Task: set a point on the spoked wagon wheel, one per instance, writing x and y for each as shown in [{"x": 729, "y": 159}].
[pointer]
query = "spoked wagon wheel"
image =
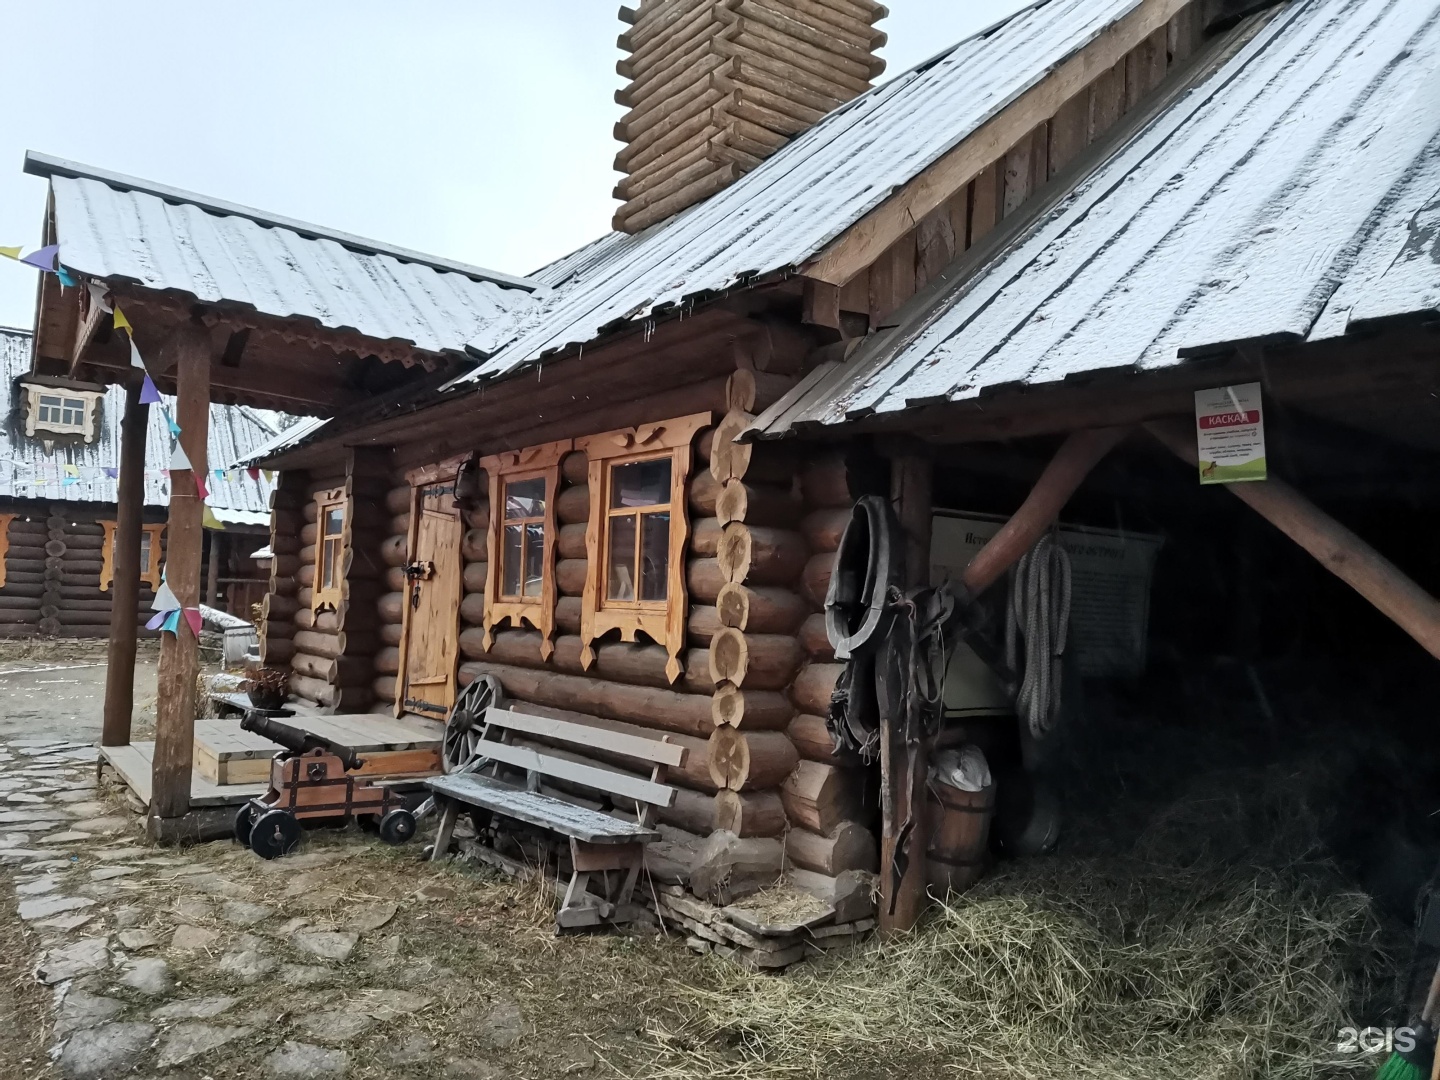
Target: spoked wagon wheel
[{"x": 467, "y": 721}]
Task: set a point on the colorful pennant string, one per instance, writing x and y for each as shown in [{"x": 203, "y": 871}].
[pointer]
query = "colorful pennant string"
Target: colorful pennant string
[
  {"x": 11, "y": 252},
  {"x": 44, "y": 259},
  {"x": 210, "y": 521},
  {"x": 149, "y": 392},
  {"x": 67, "y": 279},
  {"x": 192, "y": 616}
]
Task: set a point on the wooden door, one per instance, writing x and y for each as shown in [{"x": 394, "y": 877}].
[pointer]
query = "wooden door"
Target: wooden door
[{"x": 430, "y": 636}]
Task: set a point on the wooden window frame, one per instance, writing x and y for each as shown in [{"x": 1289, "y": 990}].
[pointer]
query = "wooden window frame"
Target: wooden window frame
[
  {"x": 663, "y": 622},
  {"x": 5, "y": 520},
  {"x": 531, "y": 463},
  {"x": 330, "y": 598},
  {"x": 148, "y": 574},
  {"x": 86, "y": 428}
]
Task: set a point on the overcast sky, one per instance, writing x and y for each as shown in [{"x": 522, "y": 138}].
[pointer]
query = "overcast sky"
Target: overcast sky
[{"x": 472, "y": 129}]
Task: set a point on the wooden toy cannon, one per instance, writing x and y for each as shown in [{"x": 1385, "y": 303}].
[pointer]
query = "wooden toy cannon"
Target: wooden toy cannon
[{"x": 314, "y": 778}]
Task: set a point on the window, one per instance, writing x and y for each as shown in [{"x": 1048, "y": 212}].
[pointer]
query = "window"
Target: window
[
  {"x": 329, "y": 588},
  {"x": 520, "y": 578},
  {"x": 61, "y": 410},
  {"x": 637, "y": 535},
  {"x": 152, "y": 554}
]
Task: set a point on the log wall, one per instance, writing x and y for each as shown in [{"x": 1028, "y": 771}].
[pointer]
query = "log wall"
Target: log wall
[{"x": 52, "y": 571}]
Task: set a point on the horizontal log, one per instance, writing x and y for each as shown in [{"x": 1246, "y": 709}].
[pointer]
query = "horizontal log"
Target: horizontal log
[
  {"x": 473, "y": 576},
  {"x": 305, "y": 575},
  {"x": 757, "y": 504},
  {"x": 823, "y": 528},
  {"x": 395, "y": 579},
  {"x": 387, "y": 661},
  {"x": 815, "y": 578},
  {"x": 400, "y": 524},
  {"x": 478, "y": 516},
  {"x": 275, "y": 606},
  {"x": 760, "y": 610},
  {"x": 475, "y": 545},
  {"x": 693, "y": 811},
  {"x": 309, "y": 533},
  {"x": 320, "y": 643},
  {"x": 667, "y": 710},
  {"x": 825, "y": 483},
  {"x": 384, "y": 688},
  {"x": 819, "y": 797},
  {"x": 754, "y": 661},
  {"x": 314, "y": 667},
  {"x": 704, "y": 579},
  {"x": 393, "y": 551},
  {"x": 750, "y": 710},
  {"x": 750, "y": 761},
  {"x": 75, "y": 542},
  {"x": 390, "y": 633},
  {"x": 19, "y": 589},
  {"x": 703, "y": 494},
  {"x": 756, "y": 555},
  {"x": 812, "y": 739},
  {"x": 305, "y": 555},
  {"x": 391, "y": 608},
  {"x": 705, "y": 534},
  {"x": 397, "y": 499},
  {"x": 572, "y": 505},
  {"x": 349, "y": 699},
  {"x": 17, "y": 613},
  {"x": 570, "y": 576},
  {"x": 849, "y": 846},
  {"x": 756, "y": 813},
  {"x": 815, "y": 639},
  {"x": 814, "y": 687},
  {"x": 642, "y": 665},
  {"x": 570, "y": 542},
  {"x": 472, "y": 609},
  {"x": 275, "y": 650},
  {"x": 575, "y": 467},
  {"x": 345, "y": 671},
  {"x": 288, "y": 565}
]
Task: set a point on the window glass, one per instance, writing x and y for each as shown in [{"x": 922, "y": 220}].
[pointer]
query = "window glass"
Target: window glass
[
  {"x": 330, "y": 559},
  {"x": 525, "y": 499},
  {"x": 622, "y": 558},
  {"x": 145, "y": 552},
  {"x": 640, "y": 483},
  {"x": 534, "y": 557},
  {"x": 334, "y": 521},
  {"x": 510, "y": 560},
  {"x": 654, "y": 556},
  {"x": 74, "y": 412}
]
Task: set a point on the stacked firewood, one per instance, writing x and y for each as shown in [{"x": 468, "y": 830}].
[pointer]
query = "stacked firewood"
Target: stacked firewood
[{"x": 717, "y": 86}]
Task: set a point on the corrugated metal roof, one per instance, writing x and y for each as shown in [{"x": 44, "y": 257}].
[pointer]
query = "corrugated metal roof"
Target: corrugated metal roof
[
  {"x": 121, "y": 228},
  {"x": 1287, "y": 197},
  {"x": 235, "y": 431},
  {"x": 787, "y": 210}
]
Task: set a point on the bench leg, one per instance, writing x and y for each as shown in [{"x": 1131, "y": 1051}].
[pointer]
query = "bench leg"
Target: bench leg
[{"x": 449, "y": 811}]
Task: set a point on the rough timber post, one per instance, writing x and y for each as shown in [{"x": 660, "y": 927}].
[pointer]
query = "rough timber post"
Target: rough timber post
[
  {"x": 125, "y": 587},
  {"x": 903, "y": 766},
  {"x": 179, "y": 652}
]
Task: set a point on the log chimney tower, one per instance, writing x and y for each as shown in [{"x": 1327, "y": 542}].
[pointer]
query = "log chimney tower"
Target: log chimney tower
[{"x": 717, "y": 86}]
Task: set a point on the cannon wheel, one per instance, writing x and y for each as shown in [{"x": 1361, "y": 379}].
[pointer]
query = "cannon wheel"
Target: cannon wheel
[
  {"x": 397, "y": 826},
  {"x": 275, "y": 833},
  {"x": 244, "y": 822},
  {"x": 466, "y": 721}
]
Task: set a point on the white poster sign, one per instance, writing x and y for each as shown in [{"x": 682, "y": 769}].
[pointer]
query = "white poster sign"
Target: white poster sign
[
  {"x": 1111, "y": 572},
  {"x": 1230, "y": 427}
]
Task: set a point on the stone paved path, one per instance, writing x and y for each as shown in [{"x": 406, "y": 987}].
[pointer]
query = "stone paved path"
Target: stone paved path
[{"x": 207, "y": 962}]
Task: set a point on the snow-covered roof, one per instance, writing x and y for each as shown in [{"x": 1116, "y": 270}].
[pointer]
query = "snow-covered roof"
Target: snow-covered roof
[
  {"x": 1291, "y": 196},
  {"x": 121, "y": 228},
  {"x": 28, "y": 472},
  {"x": 791, "y": 207}
]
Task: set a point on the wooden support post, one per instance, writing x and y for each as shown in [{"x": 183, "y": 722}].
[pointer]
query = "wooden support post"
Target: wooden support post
[
  {"x": 179, "y": 652},
  {"x": 125, "y": 584},
  {"x": 1336, "y": 548},
  {"x": 212, "y": 568},
  {"x": 1072, "y": 463},
  {"x": 903, "y": 764}
]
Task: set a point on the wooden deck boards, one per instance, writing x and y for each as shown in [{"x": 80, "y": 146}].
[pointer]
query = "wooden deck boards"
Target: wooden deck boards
[
  {"x": 226, "y": 754},
  {"x": 133, "y": 764}
]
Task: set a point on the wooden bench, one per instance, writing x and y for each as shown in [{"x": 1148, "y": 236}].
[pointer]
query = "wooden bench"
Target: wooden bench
[{"x": 599, "y": 843}]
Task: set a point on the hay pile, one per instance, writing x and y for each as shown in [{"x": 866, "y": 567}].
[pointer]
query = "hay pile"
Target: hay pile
[{"x": 1203, "y": 937}]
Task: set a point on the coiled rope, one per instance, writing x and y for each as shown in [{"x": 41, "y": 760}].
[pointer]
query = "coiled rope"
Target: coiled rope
[{"x": 1037, "y": 622}]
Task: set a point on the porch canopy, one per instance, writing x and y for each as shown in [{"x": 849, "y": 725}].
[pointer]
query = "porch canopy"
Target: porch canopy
[{"x": 234, "y": 306}]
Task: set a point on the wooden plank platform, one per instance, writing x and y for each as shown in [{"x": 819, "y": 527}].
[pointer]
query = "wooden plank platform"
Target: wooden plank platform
[
  {"x": 226, "y": 754},
  {"x": 133, "y": 764}
]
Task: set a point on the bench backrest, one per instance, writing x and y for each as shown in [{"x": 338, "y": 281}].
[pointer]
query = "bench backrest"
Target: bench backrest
[{"x": 660, "y": 754}]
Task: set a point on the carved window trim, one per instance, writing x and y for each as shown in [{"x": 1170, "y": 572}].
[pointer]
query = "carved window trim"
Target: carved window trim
[
  {"x": 87, "y": 426},
  {"x": 513, "y": 466},
  {"x": 329, "y": 597},
  {"x": 151, "y": 537},
  {"x": 662, "y": 622},
  {"x": 5, "y": 520}
]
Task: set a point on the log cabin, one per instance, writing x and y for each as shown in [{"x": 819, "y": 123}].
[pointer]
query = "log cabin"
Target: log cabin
[
  {"x": 59, "y": 463},
  {"x": 986, "y": 290}
]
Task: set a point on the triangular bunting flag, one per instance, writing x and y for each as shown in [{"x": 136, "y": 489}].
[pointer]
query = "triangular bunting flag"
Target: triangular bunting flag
[
  {"x": 192, "y": 616},
  {"x": 149, "y": 395},
  {"x": 135, "y": 360},
  {"x": 210, "y": 521},
  {"x": 121, "y": 322},
  {"x": 165, "y": 598},
  {"x": 200, "y": 488},
  {"x": 178, "y": 458},
  {"x": 44, "y": 259},
  {"x": 11, "y": 252},
  {"x": 172, "y": 621},
  {"x": 269, "y": 475},
  {"x": 157, "y": 621},
  {"x": 97, "y": 295},
  {"x": 66, "y": 278},
  {"x": 253, "y": 473},
  {"x": 174, "y": 427},
  {"x": 111, "y": 473}
]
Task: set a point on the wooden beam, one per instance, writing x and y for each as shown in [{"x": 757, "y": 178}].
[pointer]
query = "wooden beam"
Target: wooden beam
[
  {"x": 179, "y": 652},
  {"x": 212, "y": 568},
  {"x": 125, "y": 599},
  {"x": 1075, "y": 459},
  {"x": 1334, "y": 546},
  {"x": 868, "y": 239}
]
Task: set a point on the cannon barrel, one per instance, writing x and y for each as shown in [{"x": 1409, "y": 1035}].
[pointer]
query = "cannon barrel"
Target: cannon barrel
[{"x": 297, "y": 740}]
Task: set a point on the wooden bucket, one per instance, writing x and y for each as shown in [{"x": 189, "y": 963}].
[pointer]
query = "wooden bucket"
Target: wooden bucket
[{"x": 959, "y": 837}]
